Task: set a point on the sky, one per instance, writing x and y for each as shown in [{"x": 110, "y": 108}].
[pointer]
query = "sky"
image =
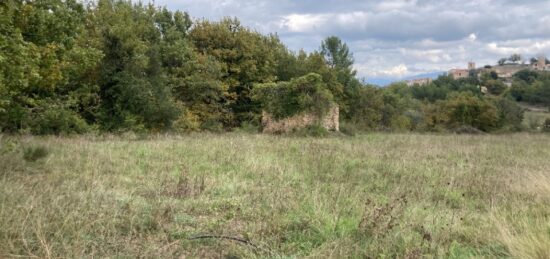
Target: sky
[{"x": 395, "y": 39}]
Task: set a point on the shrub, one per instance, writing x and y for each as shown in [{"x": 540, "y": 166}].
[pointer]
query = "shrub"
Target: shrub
[
  {"x": 187, "y": 122},
  {"x": 415, "y": 117},
  {"x": 348, "y": 129},
  {"x": 365, "y": 108},
  {"x": 35, "y": 153},
  {"x": 57, "y": 120},
  {"x": 495, "y": 87},
  {"x": 510, "y": 114},
  {"x": 467, "y": 109},
  {"x": 304, "y": 94},
  {"x": 400, "y": 123}
]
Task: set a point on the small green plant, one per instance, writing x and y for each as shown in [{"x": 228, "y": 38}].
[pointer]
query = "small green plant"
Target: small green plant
[{"x": 35, "y": 153}]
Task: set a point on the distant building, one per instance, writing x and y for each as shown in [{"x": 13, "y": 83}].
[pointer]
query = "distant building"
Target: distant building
[
  {"x": 541, "y": 65},
  {"x": 505, "y": 71},
  {"x": 419, "y": 81},
  {"x": 459, "y": 73}
]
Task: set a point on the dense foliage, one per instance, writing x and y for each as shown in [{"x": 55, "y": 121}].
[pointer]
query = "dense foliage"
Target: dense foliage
[
  {"x": 114, "y": 65},
  {"x": 531, "y": 87},
  {"x": 304, "y": 94}
]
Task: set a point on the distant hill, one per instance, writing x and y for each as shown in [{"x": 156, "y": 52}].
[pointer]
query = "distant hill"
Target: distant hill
[
  {"x": 432, "y": 75},
  {"x": 384, "y": 81}
]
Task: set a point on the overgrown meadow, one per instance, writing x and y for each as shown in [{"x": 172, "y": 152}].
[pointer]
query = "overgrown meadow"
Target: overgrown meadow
[{"x": 242, "y": 195}]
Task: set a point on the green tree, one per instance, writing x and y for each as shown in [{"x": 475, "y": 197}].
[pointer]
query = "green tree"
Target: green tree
[
  {"x": 47, "y": 65},
  {"x": 202, "y": 93},
  {"x": 336, "y": 53},
  {"x": 495, "y": 87},
  {"x": 246, "y": 57},
  {"x": 510, "y": 114},
  {"x": 515, "y": 58},
  {"x": 338, "y": 56},
  {"x": 466, "y": 109},
  {"x": 366, "y": 108},
  {"x": 135, "y": 90}
]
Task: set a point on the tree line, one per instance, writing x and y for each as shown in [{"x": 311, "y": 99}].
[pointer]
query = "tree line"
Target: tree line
[{"x": 114, "y": 65}]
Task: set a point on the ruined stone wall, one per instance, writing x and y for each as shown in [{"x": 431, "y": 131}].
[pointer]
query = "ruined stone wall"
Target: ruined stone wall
[{"x": 330, "y": 121}]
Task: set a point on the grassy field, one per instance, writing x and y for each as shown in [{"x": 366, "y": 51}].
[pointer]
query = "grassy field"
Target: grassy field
[{"x": 242, "y": 196}]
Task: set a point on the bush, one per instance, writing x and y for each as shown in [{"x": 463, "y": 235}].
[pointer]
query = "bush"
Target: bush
[
  {"x": 510, "y": 113},
  {"x": 400, "y": 123},
  {"x": 187, "y": 122},
  {"x": 465, "y": 109},
  {"x": 495, "y": 87},
  {"x": 304, "y": 94},
  {"x": 35, "y": 153},
  {"x": 57, "y": 120},
  {"x": 348, "y": 129},
  {"x": 415, "y": 117}
]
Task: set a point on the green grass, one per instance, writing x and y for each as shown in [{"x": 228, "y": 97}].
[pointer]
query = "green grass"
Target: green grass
[
  {"x": 534, "y": 120},
  {"x": 374, "y": 196}
]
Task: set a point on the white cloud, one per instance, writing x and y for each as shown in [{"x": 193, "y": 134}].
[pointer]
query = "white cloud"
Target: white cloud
[
  {"x": 395, "y": 4},
  {"x": 399, "y": 71},
  {"x": 303, "y": 22},
  {"x": 524, "y": 46}
]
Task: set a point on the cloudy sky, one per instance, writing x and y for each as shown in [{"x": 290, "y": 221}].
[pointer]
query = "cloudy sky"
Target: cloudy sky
[{"x": 397, "y": 38}]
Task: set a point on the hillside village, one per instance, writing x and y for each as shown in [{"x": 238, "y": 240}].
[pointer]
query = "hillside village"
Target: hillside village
[{"x": 505, "y": 70}]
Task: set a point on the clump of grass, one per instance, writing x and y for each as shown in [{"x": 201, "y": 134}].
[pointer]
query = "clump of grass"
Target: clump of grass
[
  {"x": 186, "y": 187},
  {"x": 525, "y": 237},
  {"x": 35, "y": 153},
  {"x": 379, "y": 219}
]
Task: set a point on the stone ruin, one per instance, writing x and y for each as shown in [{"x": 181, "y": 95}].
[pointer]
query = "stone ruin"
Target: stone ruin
[{"x": 272, "y": 126}]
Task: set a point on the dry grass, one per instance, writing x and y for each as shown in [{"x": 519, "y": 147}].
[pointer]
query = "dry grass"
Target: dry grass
[
  {"x": 525, "y": 236},
  {"x": 373, "y": 196}
]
